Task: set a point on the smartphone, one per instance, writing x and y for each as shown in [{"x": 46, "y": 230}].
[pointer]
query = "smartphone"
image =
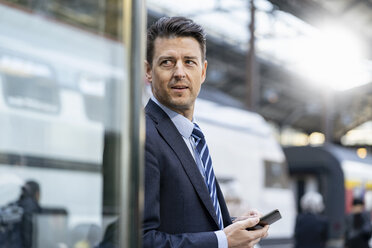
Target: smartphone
[{"x": 267, "y": 219}]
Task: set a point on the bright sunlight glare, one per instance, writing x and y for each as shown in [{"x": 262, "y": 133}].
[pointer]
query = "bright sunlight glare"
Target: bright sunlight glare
[{"x": 334, "y": 59}]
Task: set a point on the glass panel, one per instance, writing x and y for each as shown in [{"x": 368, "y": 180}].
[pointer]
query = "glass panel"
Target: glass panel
[{"x": 61, "y": 88}]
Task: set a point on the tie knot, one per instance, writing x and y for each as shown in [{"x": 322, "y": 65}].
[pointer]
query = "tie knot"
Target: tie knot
[{"x": 196, "y": 132}]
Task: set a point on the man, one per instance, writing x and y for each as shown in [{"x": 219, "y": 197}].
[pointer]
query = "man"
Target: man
[
  {"x": 358, "y": 228},
  {"x": 184, "y": 206},
  {"x": 311, "y": 229}
]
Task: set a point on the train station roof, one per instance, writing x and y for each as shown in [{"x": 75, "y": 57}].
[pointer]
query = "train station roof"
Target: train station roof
[{"x": 296, "y": 79}]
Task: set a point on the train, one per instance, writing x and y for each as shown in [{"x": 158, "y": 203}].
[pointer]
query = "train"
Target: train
[{"x": 338, "y": 174}]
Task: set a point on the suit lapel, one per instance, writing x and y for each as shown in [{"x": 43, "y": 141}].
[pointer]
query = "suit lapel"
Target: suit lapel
[{"x": 174, "y": 139}]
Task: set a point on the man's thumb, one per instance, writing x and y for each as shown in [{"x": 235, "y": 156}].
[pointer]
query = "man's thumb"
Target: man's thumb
[{"x": 249, "y": 222}]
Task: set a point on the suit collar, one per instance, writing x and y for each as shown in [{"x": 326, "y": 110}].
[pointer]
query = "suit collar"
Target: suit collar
[
  {"x": 171, "y": 135},
  {"x": 183, "y": 125}
]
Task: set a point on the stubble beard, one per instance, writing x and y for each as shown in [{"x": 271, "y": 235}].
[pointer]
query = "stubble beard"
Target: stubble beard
[{"x": 181, "y": 104}]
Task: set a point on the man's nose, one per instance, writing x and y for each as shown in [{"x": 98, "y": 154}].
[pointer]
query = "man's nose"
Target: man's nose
[{"x": 179, "y": 72}]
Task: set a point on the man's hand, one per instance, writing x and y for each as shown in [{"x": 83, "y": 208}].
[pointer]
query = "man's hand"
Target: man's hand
[
  {"x": 238, "y": 236},
  {"x": 250, "y": 214}
]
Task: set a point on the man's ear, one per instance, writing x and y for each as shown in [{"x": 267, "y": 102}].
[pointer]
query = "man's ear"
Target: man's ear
[
  {"x": 148, "y": 71},
  {"x": 204, "y": 71}
]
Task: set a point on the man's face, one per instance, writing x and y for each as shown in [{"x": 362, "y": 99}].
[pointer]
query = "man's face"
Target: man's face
[{"x": 177, "y": 73}]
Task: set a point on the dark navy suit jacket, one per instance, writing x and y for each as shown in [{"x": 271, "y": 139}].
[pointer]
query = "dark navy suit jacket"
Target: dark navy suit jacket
[{"x": 178, "y": 209}]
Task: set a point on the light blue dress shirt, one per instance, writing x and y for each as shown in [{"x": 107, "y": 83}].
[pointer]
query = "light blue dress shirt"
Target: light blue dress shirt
[{"x": 185, "y": 128}]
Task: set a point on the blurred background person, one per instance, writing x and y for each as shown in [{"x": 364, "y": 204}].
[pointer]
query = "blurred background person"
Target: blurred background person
[
  {"x": 17, "y": 231},
  {"x": 29, "y": 202},
  {"x": 358, "y": 229},
  {"x": 311, "y": 230},
  {"x": 110, "y": 238}
]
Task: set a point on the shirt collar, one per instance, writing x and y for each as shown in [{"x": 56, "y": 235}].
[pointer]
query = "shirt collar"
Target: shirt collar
[{"x": 183, "y": 125}]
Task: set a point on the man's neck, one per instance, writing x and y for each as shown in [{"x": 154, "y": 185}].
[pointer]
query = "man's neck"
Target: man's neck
[{"x": 187, "y": 113}]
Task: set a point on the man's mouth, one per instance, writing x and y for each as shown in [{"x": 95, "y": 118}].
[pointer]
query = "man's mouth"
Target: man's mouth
[{"x": 179, "y": 87}]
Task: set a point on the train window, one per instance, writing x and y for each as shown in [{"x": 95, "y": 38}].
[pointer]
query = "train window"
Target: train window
[
  {"x": 94, "y": 107},
  {"x": 34, "y": 93},
  {"x": 276, "y": 175},
  {"x": 93, "y": 89},
  {"x": 28, "y": 85}
]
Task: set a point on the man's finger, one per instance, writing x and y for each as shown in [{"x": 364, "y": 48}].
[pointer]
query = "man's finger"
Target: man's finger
[
  {"x": 243, "y": 217},
  {"x": 260, "y": 233},
  {"x": 254, "y": 212},
  {"x": 249, "y": 222}
]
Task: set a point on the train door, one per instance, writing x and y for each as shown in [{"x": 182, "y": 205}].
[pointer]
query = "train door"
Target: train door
[
  {"x": 70, "y": 122},
  {"x": 319, "y": 169}
]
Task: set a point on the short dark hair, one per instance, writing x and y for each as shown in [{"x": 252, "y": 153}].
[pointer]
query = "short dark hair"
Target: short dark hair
[
  {"x": 30, "y": 189},
  {"x": 170, "y": 27}
]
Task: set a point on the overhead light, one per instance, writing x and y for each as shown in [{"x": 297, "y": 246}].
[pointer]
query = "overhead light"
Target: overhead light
[
  {"x": 316, "y": 138},
  {"x": 362, "y": 152},
  {"x": 334, "y": 59}
]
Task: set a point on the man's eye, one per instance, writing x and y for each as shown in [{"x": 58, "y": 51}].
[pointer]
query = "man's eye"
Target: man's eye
[
  {"x": 166, "y": 62},
  {"x": 190, "y": 62}
]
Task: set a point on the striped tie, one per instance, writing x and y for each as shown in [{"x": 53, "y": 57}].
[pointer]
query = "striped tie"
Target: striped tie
[{"x": 210, "y": 179}]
